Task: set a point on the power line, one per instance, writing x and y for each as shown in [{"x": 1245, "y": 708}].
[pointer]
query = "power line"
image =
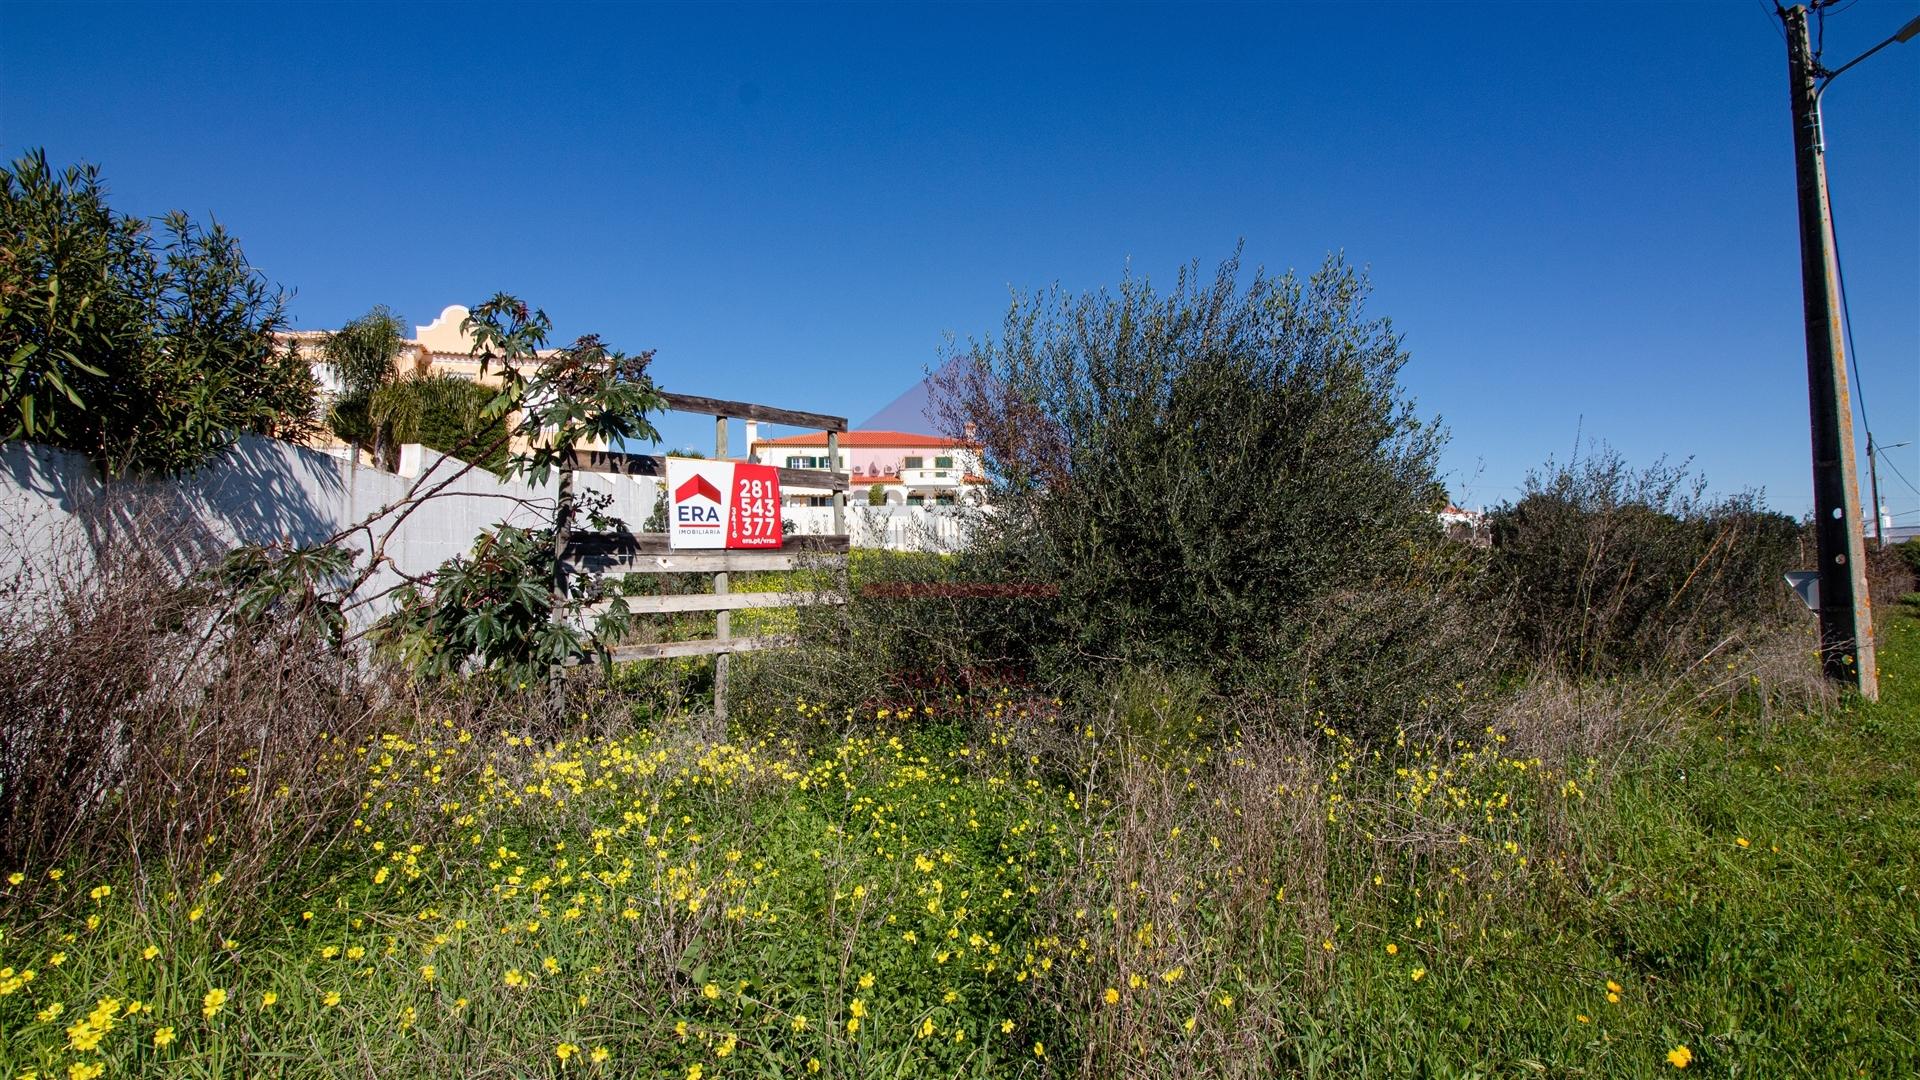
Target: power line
[
  {"x": 1772, "y": 17},
  {"x": 1903, "y": 478}
]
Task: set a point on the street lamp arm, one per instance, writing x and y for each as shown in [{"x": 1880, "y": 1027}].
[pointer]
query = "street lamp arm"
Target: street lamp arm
[{"x": 1903, "y": 35}]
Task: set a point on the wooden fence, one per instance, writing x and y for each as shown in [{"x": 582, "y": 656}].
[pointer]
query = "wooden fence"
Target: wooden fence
[{"x": 650, "y": 553}]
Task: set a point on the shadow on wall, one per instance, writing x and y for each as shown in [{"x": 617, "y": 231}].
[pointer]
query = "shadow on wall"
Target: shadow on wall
[{"x": 58, "y": 516}]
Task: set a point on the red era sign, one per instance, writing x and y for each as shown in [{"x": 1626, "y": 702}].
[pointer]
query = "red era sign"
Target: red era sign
[{"x": 755, "y": 518}]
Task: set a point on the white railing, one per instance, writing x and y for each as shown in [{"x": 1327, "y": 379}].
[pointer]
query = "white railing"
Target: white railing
[
  {"x": 897, "y": 528},
  {"x": 931, "y": 477}
]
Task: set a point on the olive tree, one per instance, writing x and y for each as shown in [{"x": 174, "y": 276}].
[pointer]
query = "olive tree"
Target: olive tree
[{"x": 1224, "y": 477}]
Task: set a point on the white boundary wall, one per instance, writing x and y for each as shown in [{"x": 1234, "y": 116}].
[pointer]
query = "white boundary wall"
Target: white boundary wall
[{"x": 57, "y": 516}]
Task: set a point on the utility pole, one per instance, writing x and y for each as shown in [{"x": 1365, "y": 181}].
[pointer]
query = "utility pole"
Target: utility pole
[
  {"x": 1846, "y": 615},
  {"x": 1873, "y": 482}
]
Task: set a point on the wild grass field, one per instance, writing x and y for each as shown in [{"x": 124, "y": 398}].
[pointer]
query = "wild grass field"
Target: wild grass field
[{"x": 1720, "y": 875}]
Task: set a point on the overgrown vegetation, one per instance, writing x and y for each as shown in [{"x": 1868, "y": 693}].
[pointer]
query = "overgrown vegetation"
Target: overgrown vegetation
[
  {"x": 1604, "y": 568},
  {"x": 514, "y": 608},
  {"x": 148, "y": 353},
  {"x": 1383, "y": 803},
  {"x": 1224, "y": 478},
  {"x": 986, "y": 884}
]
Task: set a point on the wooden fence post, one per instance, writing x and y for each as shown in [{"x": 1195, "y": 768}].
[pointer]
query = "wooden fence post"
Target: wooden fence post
[{"x": 723, "y": 620}]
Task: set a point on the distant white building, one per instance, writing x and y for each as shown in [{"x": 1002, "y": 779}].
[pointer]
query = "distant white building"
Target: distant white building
[{"x": 909, "y": 469}]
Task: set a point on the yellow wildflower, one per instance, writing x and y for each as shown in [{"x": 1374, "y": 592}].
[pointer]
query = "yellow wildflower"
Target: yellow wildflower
[
  {"x": 1680, "y": 1057},
  {"x": 213, "y": 1002},
  {"x": 163, "y": 1038}
]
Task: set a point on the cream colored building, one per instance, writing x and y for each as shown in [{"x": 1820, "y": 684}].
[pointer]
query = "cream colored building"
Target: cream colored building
[{"x": 438, "y": 348}]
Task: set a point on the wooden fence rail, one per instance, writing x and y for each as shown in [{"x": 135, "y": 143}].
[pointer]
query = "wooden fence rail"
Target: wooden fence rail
[{"x": 618, "y": 554}]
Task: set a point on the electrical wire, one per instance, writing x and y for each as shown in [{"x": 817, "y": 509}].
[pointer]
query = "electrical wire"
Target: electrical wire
[
  {"x": 1859, "y": 394},
  {"x": 1903, "y": 478},
  {"x": 1846, "y": 317},
  {"x": 1773, "y": 18}
]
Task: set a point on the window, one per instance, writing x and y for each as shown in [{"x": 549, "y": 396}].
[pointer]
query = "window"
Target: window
[
  {"x": 798, "y": 462},
  {"x": 916, "y": 500},
  {"x": 943, "y": 463},
  {"x": 914, "y": 463},
  {"x": 943, "y": 500}
]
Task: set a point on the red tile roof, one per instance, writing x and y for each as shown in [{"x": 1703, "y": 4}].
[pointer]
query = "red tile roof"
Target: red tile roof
[{"x": 872, "y": 440}]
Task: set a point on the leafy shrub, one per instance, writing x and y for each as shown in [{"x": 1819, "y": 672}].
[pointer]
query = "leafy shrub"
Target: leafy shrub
[
  {"x": 493, "y": 608},
  {"x": 164, "y": 725},
  {"x": 1605, "y": 568},
  {"x": 1211, "y": 476},
  {"x": 147, "y": 354},
  {"x": 1890, "y": 576},
  {"x": 1909, "y": 553}
]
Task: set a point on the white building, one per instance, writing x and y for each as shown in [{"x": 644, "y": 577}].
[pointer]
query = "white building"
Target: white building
[{"x": 907, "y": 469}]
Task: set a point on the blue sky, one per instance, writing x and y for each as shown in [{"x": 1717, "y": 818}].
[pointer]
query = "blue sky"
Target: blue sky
[{"x": 1581, "y": 217}]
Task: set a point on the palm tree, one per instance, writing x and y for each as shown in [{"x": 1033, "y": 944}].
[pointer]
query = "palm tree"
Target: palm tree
[
  {"x": 442, "y": 411},
  {"x": 362, "y": 355}
]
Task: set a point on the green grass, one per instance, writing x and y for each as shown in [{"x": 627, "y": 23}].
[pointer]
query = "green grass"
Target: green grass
[
  {"x": 1796, "y": 953},
  {"x": 1250, "y": 908}
]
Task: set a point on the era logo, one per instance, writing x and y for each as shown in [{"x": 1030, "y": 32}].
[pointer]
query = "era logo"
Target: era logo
[{"x": 697, "y": 503}]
